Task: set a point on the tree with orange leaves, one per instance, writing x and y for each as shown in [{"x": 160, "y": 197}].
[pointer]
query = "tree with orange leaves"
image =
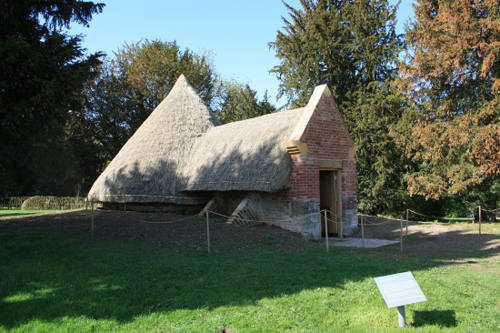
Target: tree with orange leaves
[{"x": 452, "y": 78}]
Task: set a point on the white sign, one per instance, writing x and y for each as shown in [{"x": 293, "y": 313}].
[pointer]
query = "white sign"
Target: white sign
[{"x": 400, "y": 289}]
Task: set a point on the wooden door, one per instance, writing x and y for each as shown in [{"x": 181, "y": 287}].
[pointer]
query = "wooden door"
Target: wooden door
[{"x": 330, "y": 199}]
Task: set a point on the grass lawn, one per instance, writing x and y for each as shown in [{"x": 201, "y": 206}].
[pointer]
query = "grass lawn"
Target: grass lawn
[
  {"x": 56, "y": 283},
  {"x": 19, "y": 212}
]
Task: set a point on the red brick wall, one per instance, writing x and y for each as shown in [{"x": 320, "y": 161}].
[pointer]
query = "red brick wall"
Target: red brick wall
[{"x": 327, "y": 138}]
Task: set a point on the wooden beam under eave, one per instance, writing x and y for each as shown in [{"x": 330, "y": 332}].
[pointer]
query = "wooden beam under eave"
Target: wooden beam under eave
[
  {"x": 330, "y": 165},
  {"x": 295, "y": 147}
]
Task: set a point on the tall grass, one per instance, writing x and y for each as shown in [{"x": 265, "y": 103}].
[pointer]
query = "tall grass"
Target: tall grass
[{"x": 51, "y": 283}]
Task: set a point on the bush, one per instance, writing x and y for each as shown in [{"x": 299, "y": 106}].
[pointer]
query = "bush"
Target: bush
[
  {"x": 51, "y": 202},
  {"x": 13, "y": 202}
]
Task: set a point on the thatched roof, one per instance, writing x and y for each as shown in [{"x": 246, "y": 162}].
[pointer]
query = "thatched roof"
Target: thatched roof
[
  {"x": 149, "y": 166},
  {"x": 181, "y": 152},
  {"x": 247, "y": 155}
]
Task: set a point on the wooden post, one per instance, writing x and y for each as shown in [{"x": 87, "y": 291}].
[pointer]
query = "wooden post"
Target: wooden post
[
  {"x": 208, "y": 231},
  {"x": 341, "y": 229},
  {"x": 92, "y": 217},
  {"x": 480, "y": 217},
  {"x": 407, "y": 219},
  {"x": 326, "y": 232},
  {"x": 362, "y": 231},
  {"x": 339, "y": 204},
  {"x": 401, "y": 235}
]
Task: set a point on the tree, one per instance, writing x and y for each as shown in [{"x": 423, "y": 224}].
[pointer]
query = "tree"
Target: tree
[
  {"x": 100, "y": 128},
  {"x": 41, "y": 74},
  {"x": 335, "y": 42},
  {"x": 376, "y": 114},
  {"x": 351, "y": 46},
  {"x": 237, "y": 101},
  {"x": 451, "y": 77},
  {"x": 125, "y": 92},
  {"x": 148, "y": 70}
]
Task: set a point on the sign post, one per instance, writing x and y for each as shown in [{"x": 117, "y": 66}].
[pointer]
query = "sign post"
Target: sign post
[
  {"x": 399, "y": 290},
  {"x": 401, "y": 316}
]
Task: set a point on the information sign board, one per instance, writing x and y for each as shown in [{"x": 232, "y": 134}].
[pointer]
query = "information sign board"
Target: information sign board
[{"x": 399, "y": 289}]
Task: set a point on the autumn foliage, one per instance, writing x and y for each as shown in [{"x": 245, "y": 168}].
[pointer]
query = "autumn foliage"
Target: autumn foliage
[{"x": 452, "y": 78}]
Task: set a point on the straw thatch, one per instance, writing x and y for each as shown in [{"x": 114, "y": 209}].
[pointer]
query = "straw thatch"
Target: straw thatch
[
  {"x": 248, "y": 155},
  {"x": 149, "y": 166}
]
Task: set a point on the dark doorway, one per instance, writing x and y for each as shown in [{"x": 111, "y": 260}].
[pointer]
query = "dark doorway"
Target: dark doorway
[{"x": 331, "y": 200}]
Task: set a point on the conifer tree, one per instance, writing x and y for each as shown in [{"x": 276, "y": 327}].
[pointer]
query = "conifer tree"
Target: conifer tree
[
  {"x": 42, "y": 72},
  {"x": 452, "y": 78},
  {"x": 352, "y": 46},
  {"x": 237, "y": 101}
]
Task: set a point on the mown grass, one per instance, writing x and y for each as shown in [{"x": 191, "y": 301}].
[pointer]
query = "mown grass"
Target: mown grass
[{"x": 55, "y": 283}]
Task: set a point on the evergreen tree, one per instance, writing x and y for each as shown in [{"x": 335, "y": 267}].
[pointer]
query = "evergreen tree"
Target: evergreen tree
[
  {"x": 41, "y": 74},
  {"x": 351, "y": 46},
  {"x": 452, "y": 78},
  {"x": 336, "y": 42},
  {"x": 238, "y": 101}
]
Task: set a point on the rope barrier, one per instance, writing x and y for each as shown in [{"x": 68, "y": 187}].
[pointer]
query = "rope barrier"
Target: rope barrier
[
  {"x": 168, "y": 222},
  {"x": 377, "y": 224},
  {"x": 496, "y": 210},
  {"x": 385, "y": 222},
  {"x": 428, "y": 216},
  {"x": 236, "y": 218},
  {"x": 267, "y": 221}
]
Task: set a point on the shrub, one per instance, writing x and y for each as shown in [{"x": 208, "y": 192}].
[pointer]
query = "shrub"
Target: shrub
[
  {"x": 51, "y": 202},
  {"x": 15, "y": 202}
]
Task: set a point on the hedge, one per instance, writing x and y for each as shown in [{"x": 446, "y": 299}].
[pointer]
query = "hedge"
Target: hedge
[{"x": 51, "y": 202}]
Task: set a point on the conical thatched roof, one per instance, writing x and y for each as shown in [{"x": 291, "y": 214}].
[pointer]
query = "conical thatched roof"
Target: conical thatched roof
[
  {"x": 247, "y": 155},
  {"x": 149, "y": 166}
]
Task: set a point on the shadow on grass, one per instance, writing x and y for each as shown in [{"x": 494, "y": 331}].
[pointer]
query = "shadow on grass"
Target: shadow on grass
[
  {"x": 444, "y": 318},
  {"x": 47, "y": 277}
]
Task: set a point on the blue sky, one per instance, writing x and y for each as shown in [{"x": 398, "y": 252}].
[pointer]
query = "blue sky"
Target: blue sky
[{"x": 236, "y": 32}]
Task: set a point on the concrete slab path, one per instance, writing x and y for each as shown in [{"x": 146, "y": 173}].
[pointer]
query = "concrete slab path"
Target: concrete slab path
[{"x": 357, "y": 242}]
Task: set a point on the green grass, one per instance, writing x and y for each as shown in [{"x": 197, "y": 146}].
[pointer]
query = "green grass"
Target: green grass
[
  {"x": 55, "y": 283},
  {"x": 19, "y": 212}
]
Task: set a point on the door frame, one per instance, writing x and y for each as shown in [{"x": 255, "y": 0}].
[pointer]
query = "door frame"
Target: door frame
[{"x": 335, "y": 167}]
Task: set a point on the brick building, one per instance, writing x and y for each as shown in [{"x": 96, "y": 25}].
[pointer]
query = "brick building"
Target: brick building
[{"x": 280, "y": 168}]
